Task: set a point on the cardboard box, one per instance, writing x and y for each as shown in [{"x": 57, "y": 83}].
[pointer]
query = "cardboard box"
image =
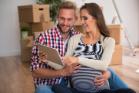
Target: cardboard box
[
  {"x": 34, "y": 13},
  {"x": 117, "y": 55},
  {"x": 26, "y": 54},
  {"x": 42, "y": 26},
  {"x": 115, "y": 32},
  {"x": 26, "y": 48}
]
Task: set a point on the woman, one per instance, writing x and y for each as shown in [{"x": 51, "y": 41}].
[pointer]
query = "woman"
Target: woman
[{"x": 93, "y": 50}]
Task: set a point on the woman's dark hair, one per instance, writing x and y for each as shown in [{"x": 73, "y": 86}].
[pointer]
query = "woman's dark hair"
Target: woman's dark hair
[{"x": 95, "y": 11}]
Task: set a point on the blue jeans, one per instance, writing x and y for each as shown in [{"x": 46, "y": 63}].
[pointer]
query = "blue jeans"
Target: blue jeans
[
  {"x": 115, "y": 81},
  {"x": 43, "y": 89},
  {"x": 47, "y": 88},
  {"x": 65, "y": 89}
]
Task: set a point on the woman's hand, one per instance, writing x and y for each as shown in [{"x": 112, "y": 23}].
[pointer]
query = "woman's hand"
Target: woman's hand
[
  {"x": 68, "y": 60},
  {"x": 100, "y": 81},
  {"x": 69, "y": 69}
]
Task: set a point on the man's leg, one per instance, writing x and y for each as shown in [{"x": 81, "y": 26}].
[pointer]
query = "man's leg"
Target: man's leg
[
  {"x": 61, "y": 89},
  {"x": 43, "y": 89},
  {"x": 115, "y": 81}
]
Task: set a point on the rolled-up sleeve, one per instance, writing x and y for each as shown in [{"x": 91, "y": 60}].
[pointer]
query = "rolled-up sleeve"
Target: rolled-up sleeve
[{"x": 35, "y": 62}]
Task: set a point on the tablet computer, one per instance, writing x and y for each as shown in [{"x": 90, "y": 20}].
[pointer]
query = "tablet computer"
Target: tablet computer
[{"x": 53, "y": 57}]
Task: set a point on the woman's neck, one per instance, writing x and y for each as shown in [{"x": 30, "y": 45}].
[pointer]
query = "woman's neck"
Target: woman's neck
[{"x": 91, "y": 37}]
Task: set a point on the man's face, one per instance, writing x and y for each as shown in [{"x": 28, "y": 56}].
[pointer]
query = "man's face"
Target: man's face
[{"x": 66, "y": 19}]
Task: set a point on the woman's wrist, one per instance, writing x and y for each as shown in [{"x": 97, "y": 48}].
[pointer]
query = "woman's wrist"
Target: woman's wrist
[{"x": 106, "y": 75}]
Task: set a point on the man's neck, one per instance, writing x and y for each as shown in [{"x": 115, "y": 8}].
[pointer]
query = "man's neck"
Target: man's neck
[{"x": 65, "y": 36}]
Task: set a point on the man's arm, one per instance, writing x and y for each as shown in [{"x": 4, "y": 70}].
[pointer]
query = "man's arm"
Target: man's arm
[
  {"x": 37, "y": 64},
  {"x": 49, "y": 73}
]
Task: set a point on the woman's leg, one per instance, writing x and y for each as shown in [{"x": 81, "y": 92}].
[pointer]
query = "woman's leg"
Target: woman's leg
[
  {"x": 127, "y": 90},
  {"x": 115, "y": 81},
  {"x": 121, "y": 90}
]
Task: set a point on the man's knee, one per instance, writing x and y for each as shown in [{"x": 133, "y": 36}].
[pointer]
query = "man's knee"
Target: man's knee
[{"x": 43, "y": 89}]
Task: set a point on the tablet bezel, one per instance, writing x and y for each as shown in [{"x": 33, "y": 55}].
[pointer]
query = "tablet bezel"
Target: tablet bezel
[{"x": 52, "y": 54}]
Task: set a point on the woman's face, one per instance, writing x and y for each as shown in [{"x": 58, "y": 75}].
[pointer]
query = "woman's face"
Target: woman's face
[{"x": 88, "y": 21}]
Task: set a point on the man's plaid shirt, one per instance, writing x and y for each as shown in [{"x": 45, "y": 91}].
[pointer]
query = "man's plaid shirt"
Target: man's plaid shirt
[{"x": 51, "y": 38}]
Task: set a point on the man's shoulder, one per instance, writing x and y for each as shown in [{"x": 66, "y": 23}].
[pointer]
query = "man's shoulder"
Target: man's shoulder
[{"x": 50, "y": 31}]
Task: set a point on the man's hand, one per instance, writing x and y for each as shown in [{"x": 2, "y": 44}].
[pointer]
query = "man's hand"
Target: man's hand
[
  {"x": 42, "y": 57},
  {"x": 100, "y": 81}
]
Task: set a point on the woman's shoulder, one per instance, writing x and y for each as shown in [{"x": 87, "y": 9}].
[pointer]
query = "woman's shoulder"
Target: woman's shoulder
[
  {"x": 77, "y": 36},
  {"x": 109, "y": 39}
]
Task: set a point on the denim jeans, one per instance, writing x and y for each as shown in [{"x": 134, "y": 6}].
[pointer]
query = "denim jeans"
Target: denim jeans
[
  {"x": 115, "y": 81},
  {"x": 65, "y": 89},
  {"x": 43, "y": 89},
  {"x": 48, "y": 88},
  {"x": 116, "y": 86}
]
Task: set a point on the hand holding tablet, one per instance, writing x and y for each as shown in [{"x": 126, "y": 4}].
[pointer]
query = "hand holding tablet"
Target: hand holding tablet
[{"x": 53, "y": 57}]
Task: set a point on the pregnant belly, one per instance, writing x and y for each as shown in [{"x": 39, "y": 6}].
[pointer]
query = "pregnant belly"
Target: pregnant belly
[{"x": 83, "y": 79}]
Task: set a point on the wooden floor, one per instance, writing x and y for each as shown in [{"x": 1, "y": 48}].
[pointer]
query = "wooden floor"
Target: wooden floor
[
  {"x": 127, "y": 71},
  {"x": 15, "y": 77}
]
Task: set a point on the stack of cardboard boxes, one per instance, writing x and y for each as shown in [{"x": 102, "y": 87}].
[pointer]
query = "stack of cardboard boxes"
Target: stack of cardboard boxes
[
  {"x": 115, "y": 32},
  {"x": 37, "y": 18}
]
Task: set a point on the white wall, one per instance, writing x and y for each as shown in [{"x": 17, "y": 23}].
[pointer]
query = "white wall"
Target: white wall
[
  {"x": 130, "y": 14},
  {"x": 9, "y": 26}
]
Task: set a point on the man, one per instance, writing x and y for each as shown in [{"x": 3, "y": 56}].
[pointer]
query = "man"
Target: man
[{"x": 57, "y": 37}]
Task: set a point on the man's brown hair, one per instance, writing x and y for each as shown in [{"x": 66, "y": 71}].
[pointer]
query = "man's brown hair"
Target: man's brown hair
[{"x": 67, "y": 5}]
